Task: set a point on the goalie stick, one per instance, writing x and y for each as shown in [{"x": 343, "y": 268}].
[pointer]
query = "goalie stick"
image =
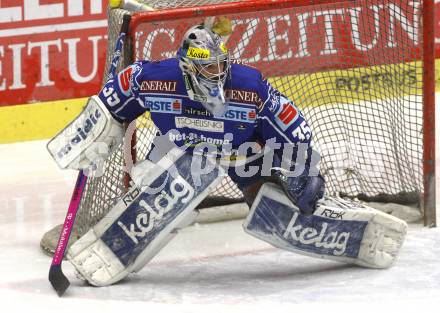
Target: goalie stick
[{"x": 57, "y": 278}]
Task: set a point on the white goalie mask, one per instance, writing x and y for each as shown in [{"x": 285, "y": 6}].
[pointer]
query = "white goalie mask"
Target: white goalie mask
[{"x": 205, "y": 63}]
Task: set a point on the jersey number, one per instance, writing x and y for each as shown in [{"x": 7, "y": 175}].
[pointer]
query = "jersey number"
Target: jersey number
[
  {"x": 302, "y": 132},
  {"x": 111, "y": 96}
]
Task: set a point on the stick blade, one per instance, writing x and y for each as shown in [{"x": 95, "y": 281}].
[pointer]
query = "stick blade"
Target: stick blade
[{"x": 58, "y": 280}]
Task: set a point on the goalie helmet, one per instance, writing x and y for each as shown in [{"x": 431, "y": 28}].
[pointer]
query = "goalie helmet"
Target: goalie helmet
[{"x": 205, "y": 64}]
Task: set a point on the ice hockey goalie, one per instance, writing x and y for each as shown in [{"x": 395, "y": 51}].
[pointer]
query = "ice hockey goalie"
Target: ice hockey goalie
[{"x": 217, "y": 116}]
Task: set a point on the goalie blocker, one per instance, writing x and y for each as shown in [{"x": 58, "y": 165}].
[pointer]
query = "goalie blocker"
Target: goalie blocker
[
  {"x": 339, "y": 230},
  {"x": 88, "y": 140},
  {"x": 145, "y": 219}
]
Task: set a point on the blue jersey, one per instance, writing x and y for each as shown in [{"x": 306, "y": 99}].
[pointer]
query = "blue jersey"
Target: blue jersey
[{"x": 256, "y": 112}]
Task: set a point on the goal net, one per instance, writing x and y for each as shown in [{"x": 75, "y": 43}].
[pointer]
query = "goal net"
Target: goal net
[{"x": 354, "y": 68}]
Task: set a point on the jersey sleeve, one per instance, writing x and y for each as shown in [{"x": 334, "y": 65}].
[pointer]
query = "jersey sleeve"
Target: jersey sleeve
[
  {"x": 120, "y": 94},
  {"x": 280, "y": 118}
]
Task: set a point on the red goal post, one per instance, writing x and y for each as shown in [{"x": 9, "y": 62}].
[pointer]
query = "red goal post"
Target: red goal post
[{"x": 429, "y": 159}]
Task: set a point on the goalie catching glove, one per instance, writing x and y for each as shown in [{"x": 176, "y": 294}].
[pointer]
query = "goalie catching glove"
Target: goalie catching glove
[{"x": 87, "y": 140}]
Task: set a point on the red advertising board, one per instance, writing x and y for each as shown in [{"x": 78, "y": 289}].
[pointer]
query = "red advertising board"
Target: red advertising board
[
  {"x": 51, "y": 50},
  {"x": 55, "y": 49},
  {"x": 305, "y": 39}
]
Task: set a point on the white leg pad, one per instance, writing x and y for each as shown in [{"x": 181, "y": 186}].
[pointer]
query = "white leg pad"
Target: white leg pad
[
  {"x": 142, "y": 223},
  {"x": 340, "y": 230},
  {"x": 96, "y": 262}
]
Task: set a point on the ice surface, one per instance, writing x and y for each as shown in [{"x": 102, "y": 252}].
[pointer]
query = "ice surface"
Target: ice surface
[{"x": 208, "y": 267}]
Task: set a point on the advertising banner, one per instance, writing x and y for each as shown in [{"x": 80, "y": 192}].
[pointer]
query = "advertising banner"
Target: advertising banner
[
  {"x": 51, "y": 50},
  {"x": 307, "y": 39}
]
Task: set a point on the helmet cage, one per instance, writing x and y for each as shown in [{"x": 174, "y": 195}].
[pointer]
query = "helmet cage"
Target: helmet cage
[{"x": 205, "y": 63}]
